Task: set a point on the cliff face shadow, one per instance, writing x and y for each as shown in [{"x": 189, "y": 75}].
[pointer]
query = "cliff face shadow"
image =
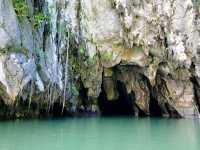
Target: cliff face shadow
[{"x": 123, "y": 106}]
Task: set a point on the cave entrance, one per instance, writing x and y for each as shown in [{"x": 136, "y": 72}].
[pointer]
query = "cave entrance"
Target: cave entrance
[{"x": 123, "y": 106}]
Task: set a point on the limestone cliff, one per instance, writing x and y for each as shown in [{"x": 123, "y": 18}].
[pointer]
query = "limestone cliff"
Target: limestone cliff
[{"x": 92, "y": 56}]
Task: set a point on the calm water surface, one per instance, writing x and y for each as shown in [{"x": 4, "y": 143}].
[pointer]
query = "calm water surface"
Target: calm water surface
[{"x": 101, "y": 134}]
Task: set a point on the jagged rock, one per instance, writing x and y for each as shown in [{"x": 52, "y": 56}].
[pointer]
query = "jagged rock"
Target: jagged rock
[
  {"x": 149, "y": 44},
  {"x": 135, "y": 83},
  {"x": 94, "y": 72},
  {"x": 176, "y": 94},
  {"x": 9, "y": 29},
  {"x": 15, "y": 72},
  {"x": 109, "y": 84}
]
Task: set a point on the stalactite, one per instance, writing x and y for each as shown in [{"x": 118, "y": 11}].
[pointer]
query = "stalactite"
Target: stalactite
[
  {"x": 30, "y": 96},
  {"x": 50, "y": 97},
  {"x": 66, "y": 70}
]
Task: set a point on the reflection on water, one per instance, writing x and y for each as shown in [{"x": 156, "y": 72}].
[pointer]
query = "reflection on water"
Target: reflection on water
[{"x": 101, "y": 134}]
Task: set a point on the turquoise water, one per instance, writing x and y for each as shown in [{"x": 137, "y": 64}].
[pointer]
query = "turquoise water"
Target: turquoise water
[{"x": 101, "y": 134}]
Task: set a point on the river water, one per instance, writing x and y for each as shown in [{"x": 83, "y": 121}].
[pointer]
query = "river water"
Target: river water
[{"x": 110, "y": 133}]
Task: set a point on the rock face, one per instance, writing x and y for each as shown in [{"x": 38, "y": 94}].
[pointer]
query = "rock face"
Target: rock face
[{"x": 82, "y": 48}]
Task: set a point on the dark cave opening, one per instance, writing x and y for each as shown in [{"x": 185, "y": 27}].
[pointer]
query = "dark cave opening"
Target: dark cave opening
[
  {"x": 123, "y": 106},
  {"x": 154, "y": 108},
  {"x": 196, "y": 88},
  {"x": 83, "y": 94},
  {"x": 56, "y": 111}
]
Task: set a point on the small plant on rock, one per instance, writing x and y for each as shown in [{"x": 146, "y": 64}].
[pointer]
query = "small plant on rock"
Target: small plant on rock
[
  {"x": 39, "y": 18},
  {"x": 21, "y": 8}
]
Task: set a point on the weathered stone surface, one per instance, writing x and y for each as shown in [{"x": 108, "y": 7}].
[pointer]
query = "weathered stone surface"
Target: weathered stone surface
[
  {"x": 15, "y": 72},
  {"x": 109, "y": 84},
  {"x": 152, "y": 46},
  {"x": 94, "y": 72},
  {"x": 135, "y": 83},
  {"x": 177, "y": 94},
  {"x": 9, "y": 28}
]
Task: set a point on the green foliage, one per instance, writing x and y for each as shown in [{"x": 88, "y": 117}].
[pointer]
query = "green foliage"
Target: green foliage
[
  {"x": 90, "y": 60},
  {"x": 106, "y": 56},
  {"x": 39, "y": 18},
  {"x": 82, "y": 50},
  {"x": 21, "y": 9},
  {"x": 74, "y": 90},
  {"x": 14, "y": 50},
  {"x": 198, "y": 5},
  {"x": 38, "y": 67},
  {"x": 74, "y": 65}
]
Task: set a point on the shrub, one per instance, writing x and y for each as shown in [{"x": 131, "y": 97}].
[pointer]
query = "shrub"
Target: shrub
[
  {"x": 39, "y": 18},
  {"x": 21, "y": 8}
]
